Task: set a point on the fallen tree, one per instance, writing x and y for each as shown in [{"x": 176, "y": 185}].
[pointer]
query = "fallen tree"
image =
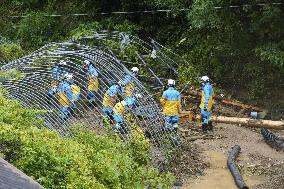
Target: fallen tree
[
  {"x": 269, "y": 124},
  {"x": 230, "y": 102},
  {"x": 187, "y": 116}
]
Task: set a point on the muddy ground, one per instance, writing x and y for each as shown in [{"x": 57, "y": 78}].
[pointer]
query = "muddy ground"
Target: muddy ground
[{"x": 262, "y": 167}]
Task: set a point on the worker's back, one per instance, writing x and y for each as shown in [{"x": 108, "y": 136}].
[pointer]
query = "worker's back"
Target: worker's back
[
  {"x": 120, "y": 108},
  {"x": 207, "y": 97},
  {"x": 171, "y": 102},
  {"x": 64, "y": 94},
  {"x": 124, "y": 106},
  {"x": 76, "y": 92},
  {"x": 110, "y": 97}
]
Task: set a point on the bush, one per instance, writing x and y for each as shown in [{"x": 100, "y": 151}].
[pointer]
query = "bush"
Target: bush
[
  {"x": 85, "y": 29},
  {"x": 10, "y": 51},
  {"x": 86, "y": 160},
  {"x": 36, "y": 30},
  {"x": 10, "y": 74}
]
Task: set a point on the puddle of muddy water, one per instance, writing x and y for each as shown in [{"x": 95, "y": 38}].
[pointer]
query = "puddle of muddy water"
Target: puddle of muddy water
[{"x": 218, "y": 175}]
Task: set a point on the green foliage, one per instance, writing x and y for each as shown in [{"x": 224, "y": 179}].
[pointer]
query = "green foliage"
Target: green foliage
[
  {"x": 10, "y": 74},
  {"x": 36, "y": 30},
  {"x": 203, "y": 15},
  {"x": 188, "y": 74},
  {"x": 10, "y": 51},
  {"x": 85, "y": 29},
  {"x": 271, "y": 53},
  {"x": 12, "y": 113},
  {"x": 126, "y": 26},
  {"x": 139, "y": 147},
  {"x": 86, "y": 160},
  {"x": 107, "y": 24},
  {"x": 53, "y": 161},
  {"x": 256, "y": 85}
]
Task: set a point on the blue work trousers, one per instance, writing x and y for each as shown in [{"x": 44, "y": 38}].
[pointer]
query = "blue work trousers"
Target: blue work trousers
[
  {"x": 108, "y": 111},
  {"x": 65, "y": 112},
  {"x": 206, "y": 116},
  {"x": 119, "y": 121},
  {"x": 91, "y": 96},
  {"x": 171, "y": 121}
]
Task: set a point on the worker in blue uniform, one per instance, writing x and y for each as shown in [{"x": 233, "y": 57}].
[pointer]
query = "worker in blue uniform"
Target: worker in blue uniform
[
  {"x": 57, "y": 76},
  {"x": 92, "y": 76},
  {"x": 206, "y": 104},
  {"x": 65, "y": 96},
  {"x": 75, "y": 95},
  {"x": 111, "y": 98},
  {"x": 170, "y": 101},
  {"x": 120, "y": 109},
  {"x": 129, "y": 85}
]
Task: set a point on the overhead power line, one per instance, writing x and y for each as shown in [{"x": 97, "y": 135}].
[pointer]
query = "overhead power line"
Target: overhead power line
[{"x": 146, "y": 11}]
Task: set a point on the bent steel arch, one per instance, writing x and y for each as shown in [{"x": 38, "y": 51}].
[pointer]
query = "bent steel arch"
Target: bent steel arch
[{"x": 32, "y": 88}]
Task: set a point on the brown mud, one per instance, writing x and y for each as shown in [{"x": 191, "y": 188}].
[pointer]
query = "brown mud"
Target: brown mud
[{"x": 260, "y": 165}]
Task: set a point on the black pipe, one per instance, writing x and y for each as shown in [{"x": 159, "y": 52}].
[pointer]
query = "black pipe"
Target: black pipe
[
  {"x": 233, "y": 153},
  {"x": 272, "y": 139}
]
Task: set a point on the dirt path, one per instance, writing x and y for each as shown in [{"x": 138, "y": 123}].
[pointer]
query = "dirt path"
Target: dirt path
[{"x": 257, "y": 160}]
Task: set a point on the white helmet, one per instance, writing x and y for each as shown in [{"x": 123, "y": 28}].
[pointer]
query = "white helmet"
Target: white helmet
[
  {"x": 68, "y": 77},
  {"x": 62, "y": 63},
  {"x": 86, "y": 62},
  {"x": 205, "y": 78},
  {"x": 171, "y": 82},
  {"x": 120, "y": 83},
  {"x": 138, "y": 96},
  {"x": 134, "y": 70}
]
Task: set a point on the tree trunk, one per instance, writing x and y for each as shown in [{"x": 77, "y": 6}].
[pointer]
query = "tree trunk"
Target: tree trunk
[{"x": 269, "y": 124}]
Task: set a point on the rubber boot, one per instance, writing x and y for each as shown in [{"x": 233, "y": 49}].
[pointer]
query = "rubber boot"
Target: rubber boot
[
  {"x": 210, "y": 126},
  {"x": 204, "y": 128}
]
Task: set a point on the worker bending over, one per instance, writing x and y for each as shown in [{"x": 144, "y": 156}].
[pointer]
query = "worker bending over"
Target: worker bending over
[
  {"x": 128, "y": 82},
  {"x": 57, "y": 76},
  {"x": 65, "y": 95},
  {"x": 75, "y": 89},
  {"x": 170, "y": 101},
  {"x": 120, "y": 109},
  {"x": 206, "y": 104},
  {"x": 110, "y": 99},
  {"x": 92, "y": 81}
]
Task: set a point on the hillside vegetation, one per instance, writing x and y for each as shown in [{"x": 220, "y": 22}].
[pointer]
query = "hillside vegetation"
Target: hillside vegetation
[{"x": 85, "y": 160}]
